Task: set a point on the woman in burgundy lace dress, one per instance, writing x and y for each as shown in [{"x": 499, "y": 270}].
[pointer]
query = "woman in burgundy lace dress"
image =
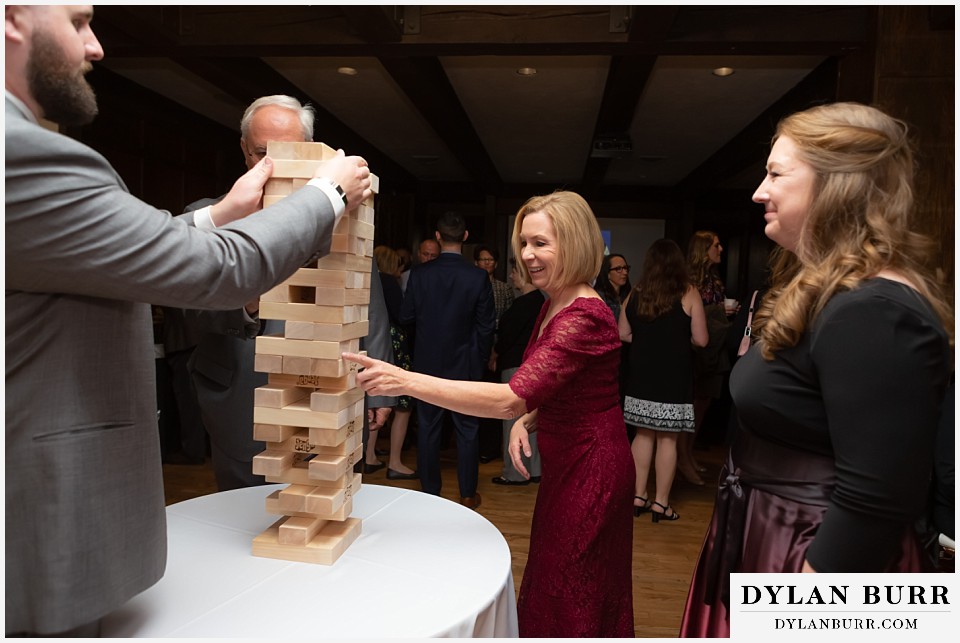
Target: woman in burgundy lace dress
[{"x": 577, "y": 582}]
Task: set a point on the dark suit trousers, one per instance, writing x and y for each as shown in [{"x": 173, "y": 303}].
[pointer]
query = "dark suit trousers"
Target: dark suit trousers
[{"x": 430, "y": 424}]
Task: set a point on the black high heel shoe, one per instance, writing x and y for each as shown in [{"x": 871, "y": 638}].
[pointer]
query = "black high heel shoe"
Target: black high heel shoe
[
  {"x": 662, "y": 515},
  {"x": 641, "y": 509}
]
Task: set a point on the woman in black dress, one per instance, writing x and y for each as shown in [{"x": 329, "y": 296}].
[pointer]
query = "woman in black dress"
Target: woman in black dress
[
  {"x": 660, "y": 319},
  {"x": 840, "y": 398}
]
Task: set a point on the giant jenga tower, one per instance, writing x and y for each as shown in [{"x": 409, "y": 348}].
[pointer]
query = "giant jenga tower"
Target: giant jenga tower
[{"x": 310, "y": 413}]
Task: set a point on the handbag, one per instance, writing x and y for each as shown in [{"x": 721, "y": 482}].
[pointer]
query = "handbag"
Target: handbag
[{"x": 745, "y": 342}]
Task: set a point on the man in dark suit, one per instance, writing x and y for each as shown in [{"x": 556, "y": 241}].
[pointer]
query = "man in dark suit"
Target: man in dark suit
[
  {"x": 85, "y": 516},
  {"x": 450, "y": 302},
  {"x": 222, "y": 362}
]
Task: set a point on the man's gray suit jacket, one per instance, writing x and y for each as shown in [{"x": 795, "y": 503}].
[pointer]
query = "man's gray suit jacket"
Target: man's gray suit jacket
[{"x": 85, "y": 521}]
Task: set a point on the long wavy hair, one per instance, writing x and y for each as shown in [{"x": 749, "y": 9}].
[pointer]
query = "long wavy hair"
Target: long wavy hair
[
  {"x": 701, "y": 269},
  {"x": 858, "y": 222},
  {"x": 663, "y": 280}
]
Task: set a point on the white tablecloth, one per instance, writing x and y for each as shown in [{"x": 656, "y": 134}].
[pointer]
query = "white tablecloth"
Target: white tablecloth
[{"x": 422, "y": 567}]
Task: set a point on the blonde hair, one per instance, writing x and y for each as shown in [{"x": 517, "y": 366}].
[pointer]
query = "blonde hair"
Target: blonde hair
[
  {"x": 388, "y": 261},
  {"x": 579, "y": 242},
  {"x": 858, "y": 222}
]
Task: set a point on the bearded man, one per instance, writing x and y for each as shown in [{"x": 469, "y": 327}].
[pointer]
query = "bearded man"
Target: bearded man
[{"x": 85, "y": 510}]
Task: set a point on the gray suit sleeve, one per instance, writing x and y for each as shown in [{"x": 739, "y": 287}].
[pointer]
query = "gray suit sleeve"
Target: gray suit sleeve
[
  {"x": 378, "y": 343},
  {"x": 98, "y": 240}
]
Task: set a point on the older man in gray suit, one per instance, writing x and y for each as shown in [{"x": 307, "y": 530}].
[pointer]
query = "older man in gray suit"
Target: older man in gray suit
[
  {"x": 222, "y": 362},
  {"x": 84, "y": 494}
]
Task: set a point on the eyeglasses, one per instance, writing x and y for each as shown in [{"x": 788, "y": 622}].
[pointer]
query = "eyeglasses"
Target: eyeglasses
[
  {"x": 621, "y": 269},
  {"x": 486, "y": 260},
  {"x": 257, "y": 154}
]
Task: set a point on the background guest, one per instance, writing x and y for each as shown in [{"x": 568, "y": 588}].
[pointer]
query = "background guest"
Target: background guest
[
  {"x": 516, "y": 327},
  {"x": 578, "y": 578},
  {"x": 711, "y": 362},
  {"x": 613, "y": 282},
  {"x": 450, "y": 304},
  {"x": 660, "y": 319},
  {"x": 831, "y": 468},
  {"x": 388, "y": 262}
]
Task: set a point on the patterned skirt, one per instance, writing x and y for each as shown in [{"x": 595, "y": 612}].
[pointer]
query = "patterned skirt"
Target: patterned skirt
[{"x": 659, "y": 416}]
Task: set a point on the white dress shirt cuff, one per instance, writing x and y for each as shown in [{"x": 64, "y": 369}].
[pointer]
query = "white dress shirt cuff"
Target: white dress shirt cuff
[
  {"x": 337, "y": 200},
  {"x": 202, "y": 219}
]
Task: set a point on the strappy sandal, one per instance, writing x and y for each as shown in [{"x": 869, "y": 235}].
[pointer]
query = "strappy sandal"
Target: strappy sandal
[{"x": 662, "y": 515}]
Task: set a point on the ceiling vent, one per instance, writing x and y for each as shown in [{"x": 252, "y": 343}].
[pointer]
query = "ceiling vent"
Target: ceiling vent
[{"x": 611, "y": 147}]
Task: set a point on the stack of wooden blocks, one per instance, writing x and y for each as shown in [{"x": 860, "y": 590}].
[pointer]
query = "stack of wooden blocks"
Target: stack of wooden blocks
[{"x": 310, "y": 413}]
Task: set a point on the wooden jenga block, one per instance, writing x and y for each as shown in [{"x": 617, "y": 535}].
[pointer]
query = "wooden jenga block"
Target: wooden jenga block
[
  {"x": 273, "y": 507},
  {"x": 365, "y": 213},
  {"x": 295, "y": 169},
  {"x": 300, "y": 443},
  {"x": 311, "y": 366},
  {"x": 272, "y": 345},
  {"x": 330, "y": 401},
  {"x": 322, "y": 278},
  {"x": 374, "y": 183},
  {"x": 333, "y": 437},
  {"x": 300, "y": 151},
  {"x": 333, "y": 467},
  {"x": 272, "y": 463},
  {"x": 301, "y": 476},
  {"x": 342, "y": 296},
  {"x": 324, "y": 549},
  {"x": 299, "y": 414},
  {"x": 278, "y": 396},
  {"x": 312, "y": 313},
  {"x": 296, "y": 530},
  {"x": 342, "y": 261},
  {"x": 275, "y": 432},
  {"x": 355, "y": 227},
  {"x": 314, "y": 381},
  {"x": 326, "y": 332},
  {"x": 268, "y": 363},
  {"x": 278, "y": 187},
  {"x": 347, "y": 243},
  {"x": 323, "y": 501}
]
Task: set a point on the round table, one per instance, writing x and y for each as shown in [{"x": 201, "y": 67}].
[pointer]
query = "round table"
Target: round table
[{"x": 422, "y": 567}]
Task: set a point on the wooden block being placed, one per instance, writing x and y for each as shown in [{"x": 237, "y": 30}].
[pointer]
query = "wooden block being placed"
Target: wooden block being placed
[
  {"x": 326, "y": 332},
  {"x": 299, "y": 414},
  {"x": 295, "y": 169},
  {"x": 278, "y": 187},
  {"x": 274, "y": 432},
  {"x": 296, "y": 530},
  {"x": 312, "y": 313},
  {"x": 374, "y": 183},
  {"x": 323, "y": 367},
  {"x": 342, "y": 383},
  {"x": 271, "y": 345},
  {"x": 324, "y": 549},
  {"x": 300, "y": 151},
  {"x": 278, "y": 396},
  {"x": 330, "y": 402}
]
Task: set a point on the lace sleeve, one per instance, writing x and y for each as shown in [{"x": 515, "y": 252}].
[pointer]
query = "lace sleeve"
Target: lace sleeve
[{"x": 573, "y": 337}]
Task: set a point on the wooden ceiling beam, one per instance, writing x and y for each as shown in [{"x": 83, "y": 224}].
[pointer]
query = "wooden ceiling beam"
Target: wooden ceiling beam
[{"x": 426, "y": 84}]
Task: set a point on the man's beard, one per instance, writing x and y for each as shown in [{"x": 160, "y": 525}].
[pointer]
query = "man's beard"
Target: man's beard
[{"x": 63, "y": 93}]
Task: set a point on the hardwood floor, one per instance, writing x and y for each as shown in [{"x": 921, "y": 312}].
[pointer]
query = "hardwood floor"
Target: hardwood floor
[{"x": 664, "y": 554}]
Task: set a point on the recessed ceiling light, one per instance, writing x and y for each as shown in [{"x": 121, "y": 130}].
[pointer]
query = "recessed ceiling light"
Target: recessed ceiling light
[
  {"x": 347, "y": 71},
  {"x": 723, "y": 71},
  {"x": 527, "y": 71}
]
